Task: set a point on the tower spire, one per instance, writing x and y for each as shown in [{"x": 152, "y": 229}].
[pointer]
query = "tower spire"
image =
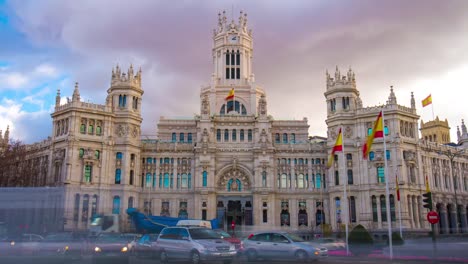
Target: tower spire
[
  {"x": 57, "y": 98},
  {"x": 76, "y": 93}
]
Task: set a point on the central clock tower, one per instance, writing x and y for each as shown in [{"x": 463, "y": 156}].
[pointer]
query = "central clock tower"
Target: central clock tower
[{"x": 232, "y": 60}]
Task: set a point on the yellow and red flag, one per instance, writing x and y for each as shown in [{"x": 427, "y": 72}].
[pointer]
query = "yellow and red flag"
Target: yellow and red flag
[
  {"x": 427, "y": 184},
  {"x": 397, "y": 188},
  {"x": 230, "y": 95},
  {"x": 337, "y": 147},
  {"x": 427, "y": 101},
  {"x": 377, "y": 132}
]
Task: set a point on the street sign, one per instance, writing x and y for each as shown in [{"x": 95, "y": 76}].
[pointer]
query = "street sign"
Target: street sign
[{"x": 433, "y": 217}]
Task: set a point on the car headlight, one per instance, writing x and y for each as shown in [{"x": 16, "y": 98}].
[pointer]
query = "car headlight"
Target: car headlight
[
  {"x": 66, "y": 248},
  {"x": 12, "y": 243},
  {"x": 316, "y": 253},
  {"x": 97, "y": 249},
  {"x": 124, "y": 249}
]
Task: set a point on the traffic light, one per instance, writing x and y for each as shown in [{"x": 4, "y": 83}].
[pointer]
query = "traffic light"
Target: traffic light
[{"x": 427, "y": 200}]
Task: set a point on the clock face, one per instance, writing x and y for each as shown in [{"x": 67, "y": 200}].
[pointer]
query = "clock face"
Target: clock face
[{"x": 233, "y": 39}]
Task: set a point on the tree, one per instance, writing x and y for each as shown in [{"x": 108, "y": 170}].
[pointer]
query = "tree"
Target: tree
[
  {"x": 14, "y": 171},
  {"x": 360, "y": 241}
]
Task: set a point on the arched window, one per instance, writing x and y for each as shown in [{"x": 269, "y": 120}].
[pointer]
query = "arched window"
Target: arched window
[
  {"x": 374, "y": 209},
  {"x": 85, "y": 209},
  {"x": 132, "y": 176},
  {"x": 243, "y": 110},
  {"x": 242, "y": 135},
  {"x": 204, "y": 178},
  {"x": 392, "y": 208},
  {"x": 277, "y": 138},
  {"x": 337, "y": 178},
  {"x": 226, "y": 135},
  {"x": 130, "y": 202},
  {"x": 76, "y": 209},
  {"x": 234, "y": 135},
  {"x": 352, "y": 209},
  {"x": 249, "y": 135},
  {"x": 119, "y": 156},
  {"x": 350, "y": 177},
  {"x": 148, "y": 180},
  {"x": 318, "y": 181},
  {"x": 293, "y": 138},
  {"x": 383, "y": 208},
  {"x": 124, "y": 102},
  {"x": 97, "y": 154},
  {"x": 83, "y": 129},
  {"x": 90, "y": 129},
  {"x": 285, "y": 138},
  {"x": 116, "y": 205},
  {"x": 120, "y": 101},
  {"x": 189, "y": 181},
  {"x": 174, "y": 137},
  {"x": 300, "y": 181},
  {"x": 181, "y": 137},
  {"x": 387, "y": 155},
  {"x": 81, "y": 152},
  {"x": 284, "y": 181},
  {"x": 380, "y": 175},
  {"x": 118, "y": 176},
  {"x": 184, "y": 181},
  {"x": 189, "y": 138},
  {"x": 166, "y": 180},
  {"x": 371, "y": 155},
  {"x": 338, "y": 210},
  {"x": 218, "y": 135},
  {"x": 349, "y": 156},
  {"x": 264, "y": 179},
  {"x": 88, "y": 173},
  {"x": 94, "y": 205}
]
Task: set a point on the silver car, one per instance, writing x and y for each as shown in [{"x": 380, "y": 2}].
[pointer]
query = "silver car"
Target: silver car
[
  {"x": 281, "y": 246},
  {"x": 194, "y": 244}
]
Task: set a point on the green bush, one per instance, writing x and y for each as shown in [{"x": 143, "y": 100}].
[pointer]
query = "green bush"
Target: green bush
[
  {"x": 360, "y": 241},
  {"x": 396, "y": 239}
]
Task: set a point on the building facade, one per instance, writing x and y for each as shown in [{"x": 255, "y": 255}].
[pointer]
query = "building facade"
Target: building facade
[{"x": 235, "y": 162}]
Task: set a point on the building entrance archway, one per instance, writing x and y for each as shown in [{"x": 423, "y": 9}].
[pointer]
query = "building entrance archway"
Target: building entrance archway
[{"x": 234, "y": 208}]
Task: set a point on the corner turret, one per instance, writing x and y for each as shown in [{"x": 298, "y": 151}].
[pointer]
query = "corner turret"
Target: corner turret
[{"x": 342, "y": 95}]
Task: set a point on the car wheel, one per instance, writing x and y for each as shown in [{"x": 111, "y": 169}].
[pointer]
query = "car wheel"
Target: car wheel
[
  {"x": 195, "y": 258},
  {"x": 163, "y": 257},
  {"x": 301, "y": 256},
  {"x": 251, "y": 255}
]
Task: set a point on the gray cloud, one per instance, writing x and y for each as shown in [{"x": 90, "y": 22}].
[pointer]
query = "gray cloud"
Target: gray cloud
[{"x": 386, "y": 43}]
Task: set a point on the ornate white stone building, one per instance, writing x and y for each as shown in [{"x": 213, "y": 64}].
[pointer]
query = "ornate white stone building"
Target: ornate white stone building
[{"x": 235, "y": 162}]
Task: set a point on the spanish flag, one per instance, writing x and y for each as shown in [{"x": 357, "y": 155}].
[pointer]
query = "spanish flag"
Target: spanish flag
[
  {"x": 427, "y": 185},
  {"x": 230, "y": 95},
  {"x": 377, "y": 132},
  {"x": 337, "y": 147},
  {"x": 397, "y": 188},
  {"x": 427, "y": 101}
]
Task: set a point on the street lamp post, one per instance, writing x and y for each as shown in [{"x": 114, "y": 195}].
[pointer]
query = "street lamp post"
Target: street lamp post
[{"x": 451, "y": 156}]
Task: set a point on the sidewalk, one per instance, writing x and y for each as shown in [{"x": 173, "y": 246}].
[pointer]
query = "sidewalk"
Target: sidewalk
[{"x": 378, "y": 254}]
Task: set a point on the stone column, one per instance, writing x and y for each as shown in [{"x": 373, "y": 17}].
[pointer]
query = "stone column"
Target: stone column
[
  {"x": 379, "y": 215},
  {"x": 453, "y": 219},
  {"x": 293, "y": 210},
  {"x": 410, "y": 212},
  {"x": 444, "y": 219},
  {"x": 464, "y": 228}
]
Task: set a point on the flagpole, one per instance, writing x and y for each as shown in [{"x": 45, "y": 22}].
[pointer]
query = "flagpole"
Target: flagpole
[
  {"x": 387, "y": 200},
  {"x": 432, "y": 106},
  {"x": 345, "y": 204},
  {"x": 399, "y": 202}
]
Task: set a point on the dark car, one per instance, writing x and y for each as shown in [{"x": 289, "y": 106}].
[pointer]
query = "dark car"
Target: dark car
[
  {"x": 145, "y": 246},
  {"x": 111, "y": 246},
  {"x": 65, "y": 245}
]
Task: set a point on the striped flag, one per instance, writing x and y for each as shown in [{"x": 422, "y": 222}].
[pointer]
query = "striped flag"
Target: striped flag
[
  {"x": 337, "y": 147},
  {"x": 377, "y": 132},
  {"x": 427, "y": 101}
]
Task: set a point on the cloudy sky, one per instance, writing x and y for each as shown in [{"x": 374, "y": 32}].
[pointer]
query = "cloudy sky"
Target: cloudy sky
[{"x": 419, "y": 46}]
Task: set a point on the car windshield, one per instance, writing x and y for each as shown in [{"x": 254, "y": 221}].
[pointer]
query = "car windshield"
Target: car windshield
[
  {"x": 202, "y": 233},
  {"x": 58, "y": 237},
  {"x": 111, "y": 238},
  {"x": 295, "y": 238},
  {"x": 223, "y": 234}
]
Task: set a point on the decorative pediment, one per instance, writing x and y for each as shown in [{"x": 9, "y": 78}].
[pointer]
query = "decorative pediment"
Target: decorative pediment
[{"x": 234, "y": 181}]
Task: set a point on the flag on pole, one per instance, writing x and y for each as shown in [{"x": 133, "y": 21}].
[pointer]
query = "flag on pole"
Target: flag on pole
[
  {"x": 427, "y": 101},
  {"x": 427, "y": 185},
  {"x": 337, "y": 147},
  {"x": 377, "y": 132},
  {"x": 230, "y": 95},
  {"x": 397, "y": 188}
]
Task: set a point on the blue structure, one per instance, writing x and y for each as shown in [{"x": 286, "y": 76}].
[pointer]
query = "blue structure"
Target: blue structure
[{"x": 154, "y": 224}]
